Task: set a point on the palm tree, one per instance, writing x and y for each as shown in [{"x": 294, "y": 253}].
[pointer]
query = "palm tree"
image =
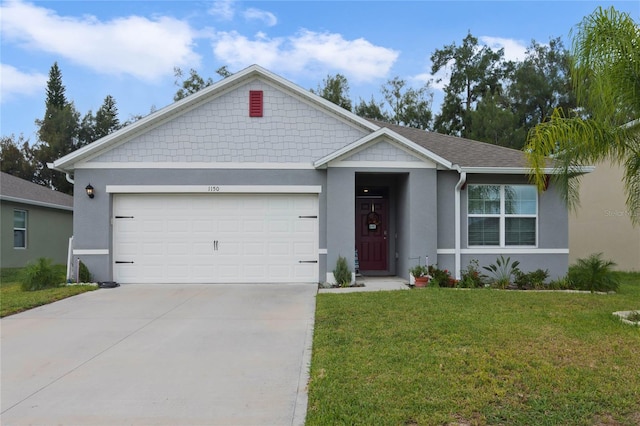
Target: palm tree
[{"x": 606, "y": 80}]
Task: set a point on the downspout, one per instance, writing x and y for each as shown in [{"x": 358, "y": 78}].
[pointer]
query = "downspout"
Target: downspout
[
  {"x": 457, "y": 217},
  {"x": 70, "y": 248},
  {"x": 67, "y": 176}
]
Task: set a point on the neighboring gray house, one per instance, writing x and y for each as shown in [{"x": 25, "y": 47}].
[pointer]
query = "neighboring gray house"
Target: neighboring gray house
[
  {"x": 34, "y": 222},
  {"x": 255, "y": 179}
]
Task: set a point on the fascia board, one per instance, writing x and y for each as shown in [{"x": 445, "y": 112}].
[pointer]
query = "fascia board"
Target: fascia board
[
  {"x": 523, "y": 170},
  {"x": 35, "y": 203}
]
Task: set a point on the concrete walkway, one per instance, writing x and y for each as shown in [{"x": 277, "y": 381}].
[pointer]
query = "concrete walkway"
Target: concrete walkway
[
  {"x": 161, "y": 354},
  {"x": 371, "y": 284}
]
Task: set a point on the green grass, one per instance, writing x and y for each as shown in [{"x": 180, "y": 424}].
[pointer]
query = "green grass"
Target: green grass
[
  {"x": 13, "y": 299},
  {"x": 444, "y": 356}
]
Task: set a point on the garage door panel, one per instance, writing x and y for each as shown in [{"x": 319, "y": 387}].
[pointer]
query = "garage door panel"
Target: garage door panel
[
  {"x": 254, "y": 249},
  {"x": 174, "y": 272},
  {"x": 202, "y": 273},
  {"x": 151, "y": 249},
  {"x": 152, "y": 226},
  {"x": 304, "y": 249},
  {"x": 228, "y": 225},
  {"x": 279, "y": 226},
  {"x": 201, "y": 248},
  {"x": 216, "y": 237},
  {"x": 279, "y": 249},
  {"x": 303, "y": 270},
  {"x": 253, "y": 225},
  {"x": 128, "y": 248}
]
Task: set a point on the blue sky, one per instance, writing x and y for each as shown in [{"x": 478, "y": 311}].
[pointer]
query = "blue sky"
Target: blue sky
[{"x": 128, "y": 49}]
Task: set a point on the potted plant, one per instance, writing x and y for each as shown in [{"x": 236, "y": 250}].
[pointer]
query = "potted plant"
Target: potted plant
[{"x": 421, "y": 275}]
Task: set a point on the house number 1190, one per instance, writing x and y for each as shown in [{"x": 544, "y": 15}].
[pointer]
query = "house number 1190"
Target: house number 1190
[{"x": 213, "y": 189}]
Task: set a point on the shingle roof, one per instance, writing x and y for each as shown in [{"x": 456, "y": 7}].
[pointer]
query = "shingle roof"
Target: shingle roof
[
  {"x": 461, "y": 151},
  {"x": 20, "y": 190}
]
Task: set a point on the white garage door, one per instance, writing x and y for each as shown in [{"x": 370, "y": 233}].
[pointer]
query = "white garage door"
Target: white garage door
[{"x": 215, "y": 238}]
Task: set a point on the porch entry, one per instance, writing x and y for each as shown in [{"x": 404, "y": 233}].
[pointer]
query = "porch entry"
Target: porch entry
[{"x": 372, "y": 230}]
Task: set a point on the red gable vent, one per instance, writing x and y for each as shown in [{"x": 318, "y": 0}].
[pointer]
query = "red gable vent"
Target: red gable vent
[{"x": 255, "y": 103}]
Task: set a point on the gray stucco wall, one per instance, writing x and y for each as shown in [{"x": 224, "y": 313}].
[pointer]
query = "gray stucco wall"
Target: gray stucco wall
[
  {"x": 447, "y": 181},
  {"x": 552, "y": 227},
  {"x": 48, "y": 233},
  {"x": 92, "y": 225},
  {"x": 423, "y": 219},
  {"x": 340, "y": 229}
]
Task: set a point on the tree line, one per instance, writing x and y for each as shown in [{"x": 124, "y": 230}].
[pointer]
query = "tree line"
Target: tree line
[
  {"x": 487, "y": 98},
  {"x": 60, "y": 132}
]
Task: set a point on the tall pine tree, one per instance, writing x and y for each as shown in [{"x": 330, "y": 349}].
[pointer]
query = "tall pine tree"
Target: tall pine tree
[{"x": 57, "y": 133}]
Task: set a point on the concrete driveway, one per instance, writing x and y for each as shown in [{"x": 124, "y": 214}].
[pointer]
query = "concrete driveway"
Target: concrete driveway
[{"x": 161, "y": 354}]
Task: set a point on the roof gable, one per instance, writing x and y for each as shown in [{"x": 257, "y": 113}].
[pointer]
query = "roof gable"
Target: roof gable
[
  {"x": 196, "y": 100},
  {"x": 223, "y": 132},
  {"x": 403, "y": 148}
]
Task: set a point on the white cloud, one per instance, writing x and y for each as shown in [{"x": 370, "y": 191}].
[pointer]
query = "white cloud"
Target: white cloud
[
  {"x": 223, "y": 9},
  {"x": 134, "y": 45},
  {"x": 14, "y": 82},
  {"x": 514, "y": 50},
  {"x": 261, "y": 15},
  {"x": 307, "y": 51},
  {"x": 238, "y": 51}
]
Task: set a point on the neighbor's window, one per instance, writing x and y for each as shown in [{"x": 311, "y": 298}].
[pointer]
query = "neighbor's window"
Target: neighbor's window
[
  {"x": 502, "y": 215},
  {"x": 19, "y": 229}
]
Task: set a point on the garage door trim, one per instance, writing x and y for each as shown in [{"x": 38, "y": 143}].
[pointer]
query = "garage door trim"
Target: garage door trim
[
  {"x": 213, "y": 252},
  {"x": 213, "y": 189}
]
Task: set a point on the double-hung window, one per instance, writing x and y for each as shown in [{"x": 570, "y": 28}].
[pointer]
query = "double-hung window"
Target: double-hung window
[
  {"x": 20, "y": 229},
  {"x": 502, "y": 215}
]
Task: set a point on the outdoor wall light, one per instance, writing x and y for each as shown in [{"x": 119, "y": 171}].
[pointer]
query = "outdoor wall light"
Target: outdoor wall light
[{"x": 89, "y": 190}]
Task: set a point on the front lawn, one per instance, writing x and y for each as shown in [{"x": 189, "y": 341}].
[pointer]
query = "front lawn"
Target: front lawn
[
  {"x": 13, "y": 299},
  {"x": 441, "y": 356}
]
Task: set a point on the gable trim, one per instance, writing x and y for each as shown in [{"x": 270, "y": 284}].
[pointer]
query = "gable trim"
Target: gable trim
[{"x": 400, "y": 140}]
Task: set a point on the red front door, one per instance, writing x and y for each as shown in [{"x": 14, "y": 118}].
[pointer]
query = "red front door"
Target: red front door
[{"x": 371, "y": 233}]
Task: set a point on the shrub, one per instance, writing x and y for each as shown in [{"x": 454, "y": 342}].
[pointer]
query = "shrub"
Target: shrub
[
  {"x": 84, "y": 276},
  {"x": 533, "y": 279},
  {"x": 41, "y": 274},
  {"x": 560, "y": 284},
  {"x": 471, "y": 276},
  {"x": 503, "y": 270},
  {"x": 342, "y": 273},
  {"x": 440, "y": 277},
  {"x": 594, "y": 274}
]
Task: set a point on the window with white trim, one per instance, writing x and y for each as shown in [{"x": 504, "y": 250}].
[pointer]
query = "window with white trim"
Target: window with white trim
[
  {"x": 20, "y": 229},
  {"x": 502, "y": 215}
]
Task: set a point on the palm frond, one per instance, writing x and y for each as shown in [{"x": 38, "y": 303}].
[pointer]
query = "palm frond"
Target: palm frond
[{"x": 606, "y": 67}]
